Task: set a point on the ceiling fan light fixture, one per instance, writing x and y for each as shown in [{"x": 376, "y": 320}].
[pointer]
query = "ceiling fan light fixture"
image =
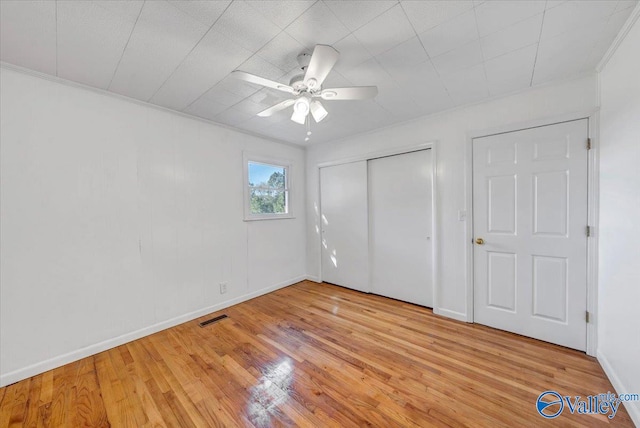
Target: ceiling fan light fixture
[
  {"x": 301, "y": 106},
  {"x": 318, "y": 111},
  {"x": 298, "y": 117}
]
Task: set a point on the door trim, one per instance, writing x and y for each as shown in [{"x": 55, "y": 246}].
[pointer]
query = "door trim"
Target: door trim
[
  {"x": 593, "y": 197},
  {"x": 431, "y": 145}
]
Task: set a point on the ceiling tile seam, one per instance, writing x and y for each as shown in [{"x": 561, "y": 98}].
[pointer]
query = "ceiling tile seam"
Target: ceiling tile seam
[
  {"x": 443, "y": 22},
  {"x": 394, "y": 46},
  {"x": 627, "y": 7},
  {"x": 382, "y": 68},
  {"x": 546, "y": 5},
  {"x": 293, "y": 20},
  {"x": 247, "y": 98},
  {"x": 414, "y": 31},
  {"x": 331, "y": 11},
  {"x": 337, "y": 18},
  {"x": 393, "y": 79},
  {"x": 254, "y": 54},
  {"x": 124, "y": 49},
  {"x": 353, "y": 31},
  {"x": 56, "y": 18},
  {"x": 565, "y": 31},
  {"x": 383, "y": 107},
  {"x": 593, "y": 47},
  {"x": 614, "y": 10},
  {"x": 291, "y": 23},
  {"x": 484, "y": 68},
  {"x": 507, "y": 53},
  {"x": 334, "y": 72},
  {"x": 385, "y": 51},
  {"x": 192, "y": 49},
  {"x": 509, "y": 26},
  {"x": 240, "y": 65},
  {"x": 426, "y": 52},
  {"x": 267, "y": 59},
  {"x": 535, "y": 60},
  {"x": 355, "y": 65},
  {"x": 109, "y": 11},
  {"x": 296, "y": 18},
  {"x": 282, "y": 30}
]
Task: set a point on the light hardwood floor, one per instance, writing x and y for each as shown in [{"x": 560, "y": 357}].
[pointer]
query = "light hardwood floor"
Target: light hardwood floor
[{"x": 313, "y": 355}]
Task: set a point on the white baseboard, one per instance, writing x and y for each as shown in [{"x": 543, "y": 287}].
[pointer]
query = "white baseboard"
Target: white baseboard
[
  {"x": 60, "y": 360},
  {"x": 633, "y": 407},
  {"x": 460, "y": 316},
  {"x": 313, "y": 278}
]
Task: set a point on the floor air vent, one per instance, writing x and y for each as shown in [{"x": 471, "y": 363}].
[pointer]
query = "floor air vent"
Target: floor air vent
[{"x": 212, "y": 320}]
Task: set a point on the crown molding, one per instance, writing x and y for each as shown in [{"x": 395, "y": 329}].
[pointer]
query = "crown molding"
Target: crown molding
[{"x": 622, "y": 34}]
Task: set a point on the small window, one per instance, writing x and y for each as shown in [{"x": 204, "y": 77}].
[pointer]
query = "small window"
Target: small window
[{"x": 267, "y": 194}]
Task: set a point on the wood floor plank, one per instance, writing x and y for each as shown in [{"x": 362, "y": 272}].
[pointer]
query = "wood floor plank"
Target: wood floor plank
[{"x": 314, "y": 355}]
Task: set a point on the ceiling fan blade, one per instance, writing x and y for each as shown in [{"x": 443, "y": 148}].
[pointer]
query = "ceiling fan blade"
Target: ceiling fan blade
[
  {"x": 322, "y": 61},
  {"x": 350, "y": 93},
  {"x": 248, "y": 77},
  {"x": 276, "y": 108}
]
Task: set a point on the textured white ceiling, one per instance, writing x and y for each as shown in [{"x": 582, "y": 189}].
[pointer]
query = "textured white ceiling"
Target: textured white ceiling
[{"x": 424, "y": 56}]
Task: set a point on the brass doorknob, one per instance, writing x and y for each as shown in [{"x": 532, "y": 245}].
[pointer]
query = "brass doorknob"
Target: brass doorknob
[{"x": 479, "y": 241}]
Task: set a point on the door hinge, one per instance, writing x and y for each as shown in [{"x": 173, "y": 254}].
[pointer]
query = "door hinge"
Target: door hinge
[
  {"x": 588, "y": 231},
  {"x": 587, "y": 316},
  {"x": 588, "y": 143}
]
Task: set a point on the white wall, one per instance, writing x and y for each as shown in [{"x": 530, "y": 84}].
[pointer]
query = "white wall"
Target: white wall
[
  {"x": 450, "y": 130},
  {"x": 619, "y": 231},
  {"x": 119, "y": 219}
]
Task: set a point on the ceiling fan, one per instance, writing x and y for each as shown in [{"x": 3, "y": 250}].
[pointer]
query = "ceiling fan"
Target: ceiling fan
[{"x": 307, "y": 87}]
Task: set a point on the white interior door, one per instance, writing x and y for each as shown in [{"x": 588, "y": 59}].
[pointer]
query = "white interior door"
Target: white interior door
[
  {"x": 530, "y": 208},
  {"x": 343, "y": 200},
  {"x": 400, "y": 212}
]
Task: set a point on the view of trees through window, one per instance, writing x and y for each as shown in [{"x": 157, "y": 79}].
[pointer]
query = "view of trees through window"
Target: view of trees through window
[{"x": 267, "y": 189}]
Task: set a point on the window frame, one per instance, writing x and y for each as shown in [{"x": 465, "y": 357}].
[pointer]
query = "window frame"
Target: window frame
[{"x": 269, "y": 161}]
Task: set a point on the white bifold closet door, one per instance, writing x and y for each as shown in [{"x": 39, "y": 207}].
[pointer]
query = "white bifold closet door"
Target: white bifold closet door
[
  {"x": 400, "y": 235},
  {"x": 345, "y": 243}
]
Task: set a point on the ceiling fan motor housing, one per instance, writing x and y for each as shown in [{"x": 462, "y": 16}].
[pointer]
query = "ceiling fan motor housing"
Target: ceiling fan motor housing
[{"x": 297, "y": 82}]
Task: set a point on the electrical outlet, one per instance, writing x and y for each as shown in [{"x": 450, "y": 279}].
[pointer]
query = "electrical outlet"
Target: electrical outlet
[{"x": 223, "y": 287}]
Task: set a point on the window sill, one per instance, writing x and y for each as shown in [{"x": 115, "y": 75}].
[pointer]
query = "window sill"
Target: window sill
[{"x": 276, "y": 217}]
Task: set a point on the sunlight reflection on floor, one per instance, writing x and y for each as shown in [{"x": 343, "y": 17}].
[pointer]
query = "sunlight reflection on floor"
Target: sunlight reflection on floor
[{"x": 270, "y": 391}]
